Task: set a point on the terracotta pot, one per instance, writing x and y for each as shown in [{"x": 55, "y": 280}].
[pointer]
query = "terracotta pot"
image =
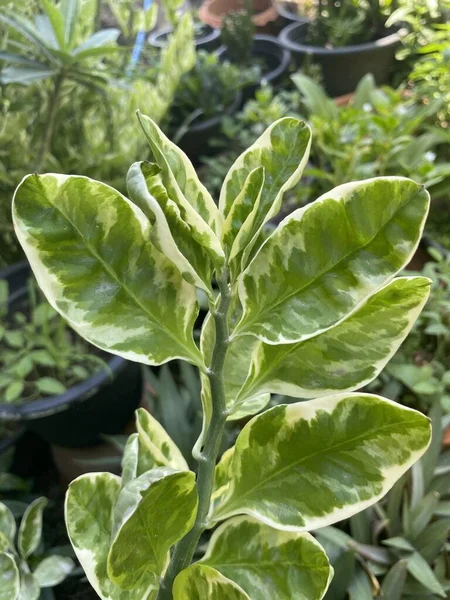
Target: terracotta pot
[{"x": 212, "y": 11}]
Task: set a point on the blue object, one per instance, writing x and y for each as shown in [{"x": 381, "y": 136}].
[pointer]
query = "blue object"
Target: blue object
[{"x": 139, "y": 43}]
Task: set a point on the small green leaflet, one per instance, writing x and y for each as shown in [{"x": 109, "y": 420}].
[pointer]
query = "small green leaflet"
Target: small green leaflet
[
  {"x": 89, "y": 249},
  {"x": 325, "y": 259},
  {"x": 200, "y": 582},
  {"x": 307, "y": 465},
  {"x": 30, "y": 530},
  {"x": 346, "y": 356},
  {"x": 53, "y": 570},
  {"x": 7, "y": 522},
  {"x": 268, "y": 563},
  {"x": 138, "y": 553}
]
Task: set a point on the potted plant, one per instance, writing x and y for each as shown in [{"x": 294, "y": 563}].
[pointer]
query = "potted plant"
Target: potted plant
[
  {"x": 287, "y": 317},
  {"x": 243, "y": 48},
  {"x": 348, "y": 40},
  {"x": 211, "y": 90},
  {"x": 62, "y": 388},
  {"x": 205, "y": 37},
  {"x": 212, "y": 12}
]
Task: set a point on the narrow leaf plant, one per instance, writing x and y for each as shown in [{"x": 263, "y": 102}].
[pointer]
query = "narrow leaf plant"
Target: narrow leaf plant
[{"x": 314, "y": 311}]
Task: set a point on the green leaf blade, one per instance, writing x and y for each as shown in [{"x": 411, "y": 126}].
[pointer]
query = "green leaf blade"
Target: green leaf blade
[
  {"x": 307, "y": 465},
  {"x": 88, "y": 246},
  {"x": 267, "y": 563},
  {"x": 346, "y": 356},
  {"x": 9, "y": 577},
  {"x": 199, "y": 582},
  {"x": 139, "y": 551},
  {"x": 327, "y": 258},
  {"x": 30, "y": 530}
]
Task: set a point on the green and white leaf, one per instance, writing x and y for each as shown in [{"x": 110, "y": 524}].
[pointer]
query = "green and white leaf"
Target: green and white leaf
[
  {"x": 9, "y": 577},
  {"x": 89, "y": 512},
  {"x": 30, "y": 530},
  {"x": 268, "y": 563},
  {"x": 89, "y": 249},
  {"x": 130, "y": 459},
  {"x": 29, "y": 586},
  {"x": 164, "y": 515},
  {"x": 347, "y": 356},
  {"x": 282, "y": 151},
  {"x": 156, "y": 447},
  {"x": 327, "y": 258},
  {"x": 307, "y": 465},
  {"x": 170, "y": 233},
  {"x": 7, "y": 523},
  {"x": 200, "y": 582},
  {"x": 53, "y": 570},
  {"x": 184, "y": 188}
]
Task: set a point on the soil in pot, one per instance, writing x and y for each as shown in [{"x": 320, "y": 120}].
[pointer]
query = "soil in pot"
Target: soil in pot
[{"x": 343, "y": 67}]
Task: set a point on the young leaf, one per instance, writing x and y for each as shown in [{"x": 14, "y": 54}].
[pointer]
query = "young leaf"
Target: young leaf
[
  {"x": 30, "y": 530},
  {"x": 53, "y": 570},
  {"x": 307, "y": 465},
  {"x": 200, "y": 582},
  {"x": 394, "y": 581},
  {"x": 130, "y": 459},
  {"x": 7, "y": 522},
  {"x": 184, "y": 188},
  {"x": 156, "y": 448},
  {"x": 29, "y": 586},
  {"x": 325, "y": 259},
  {"x": 9, "y": 577},
  {"x": 422, "y": 572},
  {"x": 139, "y": 550},
  {"x": 89, "y": 507},
  {"x": 346, "y": 356},
  {"x": 267, "y": 563},
  {"x": 57, "y": 22},
  {"x": 283, "y": 151},
  {"x": 88, "y": 247},
  {"x": 50, "y": 386},
  {"x": 170, "y": 233}
]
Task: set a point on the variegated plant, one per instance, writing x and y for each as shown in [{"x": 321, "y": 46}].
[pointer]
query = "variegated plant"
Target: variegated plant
[{"x": 314, "y": 311}]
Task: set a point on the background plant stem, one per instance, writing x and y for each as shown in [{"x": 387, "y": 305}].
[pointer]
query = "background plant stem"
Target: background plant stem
[
  {"x": 50, "y": 122},
  {"x": 184, "y": 550}
]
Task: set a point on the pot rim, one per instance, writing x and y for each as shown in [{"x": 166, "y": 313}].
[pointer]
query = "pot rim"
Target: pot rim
[
  {"x": 388, "y": 40},
  {"x": 157, "y": 38}
]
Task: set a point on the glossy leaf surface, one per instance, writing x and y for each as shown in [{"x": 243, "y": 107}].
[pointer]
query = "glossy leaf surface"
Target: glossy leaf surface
[
  {"x": 303, "y": 466},
  {"x": 327, "y": 258},
  {"x": 90, "y": 251},
  {"x": 347, "y": 356},
  {"x": 268, "y": 563}
]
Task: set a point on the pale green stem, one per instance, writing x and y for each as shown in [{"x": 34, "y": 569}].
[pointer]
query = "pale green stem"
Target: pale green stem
[{"x": 184, "y": 550}]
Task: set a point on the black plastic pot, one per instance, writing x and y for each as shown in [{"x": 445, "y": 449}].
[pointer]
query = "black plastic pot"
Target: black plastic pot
[
  {"x": 274, "y": 57},
  {"x": 195, "y": 142},
  {"x": 104, "y": 403},
  {"x": 343, "y": 68},
  {"x": 16, "y": 275},
  {"x": 289, "y": 14},
  {"x": 206, "y": 37}
]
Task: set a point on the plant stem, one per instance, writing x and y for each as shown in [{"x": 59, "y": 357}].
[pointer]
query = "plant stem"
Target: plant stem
[
  {"x": 184, "y": 550},
  {"x": 50, "y": 122}
]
